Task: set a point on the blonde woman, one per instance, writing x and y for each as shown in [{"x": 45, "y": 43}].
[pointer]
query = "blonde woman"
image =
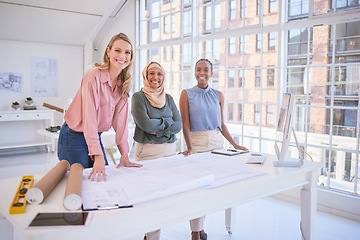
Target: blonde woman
[
  {"x": 157, "y": 120},
  {"x": 100, "y": 103}
]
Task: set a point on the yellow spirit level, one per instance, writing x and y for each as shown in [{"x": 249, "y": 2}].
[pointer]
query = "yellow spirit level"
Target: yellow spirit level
[{"x": 19, "y": 202}]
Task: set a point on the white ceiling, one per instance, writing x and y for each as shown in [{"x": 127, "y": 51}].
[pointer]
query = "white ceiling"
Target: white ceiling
[{"x": 72, "y": 22}]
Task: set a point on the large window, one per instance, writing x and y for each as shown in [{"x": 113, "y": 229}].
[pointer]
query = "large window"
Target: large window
[
  {"x": 187, "y": 23},
  {"x": 298, "y": 8},
  {"x": 231, "y": 78},
  {"x": 242, "y": 44},
  {"x": 232, "y": 45},
  {"x": 272, "y": 6},
  {"x": 240, "y": 113},
  {"x": 258, "y": 42},
  {"x": 270, "y": 114},
  {"x": 261, "y": 58},
  {"x": 257, "y": 77},
  {"x": 232, "y": 10},
  {"x": 345, "y": 3},
  {"x": 230, "y": 112},
  {"x": 271, "y": 77},
  {"x": 272, "y": 40}
]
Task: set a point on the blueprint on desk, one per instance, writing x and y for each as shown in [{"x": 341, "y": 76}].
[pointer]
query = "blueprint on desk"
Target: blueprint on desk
[{"x": 163, "y": 177}]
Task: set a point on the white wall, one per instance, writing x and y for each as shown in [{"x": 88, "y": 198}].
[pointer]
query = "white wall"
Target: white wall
[
  {"x": 15, "y": 57},
  {"x": 124, "y": 23}
]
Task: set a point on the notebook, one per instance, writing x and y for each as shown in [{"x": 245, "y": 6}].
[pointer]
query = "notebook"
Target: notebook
[{"x": 229, "y": 152}]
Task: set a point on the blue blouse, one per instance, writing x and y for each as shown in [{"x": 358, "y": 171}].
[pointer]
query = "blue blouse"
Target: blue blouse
[{"x": 204, "y": 109}]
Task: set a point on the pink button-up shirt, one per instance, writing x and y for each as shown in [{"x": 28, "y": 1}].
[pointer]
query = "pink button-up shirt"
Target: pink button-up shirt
[{"x": 96, "y": 108}]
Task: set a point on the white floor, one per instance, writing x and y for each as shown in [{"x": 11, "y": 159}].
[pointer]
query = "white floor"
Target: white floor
[{"x": 263, "y": 219}]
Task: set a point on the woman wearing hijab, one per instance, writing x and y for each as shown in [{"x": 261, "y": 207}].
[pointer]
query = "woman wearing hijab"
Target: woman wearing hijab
[
  {"x": 156, "y": 116},
  {"x": 157, "y": 120}
]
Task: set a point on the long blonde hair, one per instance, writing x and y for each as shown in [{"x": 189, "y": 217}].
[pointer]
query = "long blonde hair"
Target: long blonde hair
[{"x": 125, "y": 74}]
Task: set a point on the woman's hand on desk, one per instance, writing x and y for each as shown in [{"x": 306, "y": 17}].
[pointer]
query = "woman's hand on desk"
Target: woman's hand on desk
[
  {"x": 124, "y": 160},
  {"x": 240, "y": 147},
  {"x": 186, "y": 153},
  {"x": 98, "y": 169}
]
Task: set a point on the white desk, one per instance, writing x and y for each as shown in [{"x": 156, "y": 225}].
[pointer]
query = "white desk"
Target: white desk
[
  {"x": 177, "y": 208},
  {"x": 108, "y": 139},
  {"x": 18, "y": 128}
]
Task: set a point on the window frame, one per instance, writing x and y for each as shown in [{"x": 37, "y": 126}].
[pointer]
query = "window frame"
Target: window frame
[{"x": 287, "y": 59}]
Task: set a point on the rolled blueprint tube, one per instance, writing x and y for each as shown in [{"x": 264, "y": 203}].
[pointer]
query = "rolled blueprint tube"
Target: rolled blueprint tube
[
  {"x": 41, "y": 189},
  {"x": 72, "y": 199}
]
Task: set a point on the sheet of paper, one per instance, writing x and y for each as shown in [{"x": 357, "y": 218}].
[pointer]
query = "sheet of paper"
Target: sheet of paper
[
  {"x": 226, "y": 169},
  {"x": 11, "y": 82},
  {"x": 166, "y": 176},
  {"x": 103, "y": 195},
  {"x": 44, "y": 77}
]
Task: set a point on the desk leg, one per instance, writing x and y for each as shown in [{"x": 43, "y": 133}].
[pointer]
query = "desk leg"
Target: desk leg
[
  {"x": 308, "y": 207},
  {"x": 53, "y": 144},
  {"x": 111, "y": 155},
  {"x": 47, "y": 148},
  {"x": 230, "y": 216}
]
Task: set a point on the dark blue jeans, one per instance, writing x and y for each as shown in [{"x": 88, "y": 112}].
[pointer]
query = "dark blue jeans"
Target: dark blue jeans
[{"x": 72, "y": 147}]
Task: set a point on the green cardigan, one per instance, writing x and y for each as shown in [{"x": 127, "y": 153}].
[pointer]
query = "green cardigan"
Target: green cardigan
[{"x": 165, "y": 121}]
